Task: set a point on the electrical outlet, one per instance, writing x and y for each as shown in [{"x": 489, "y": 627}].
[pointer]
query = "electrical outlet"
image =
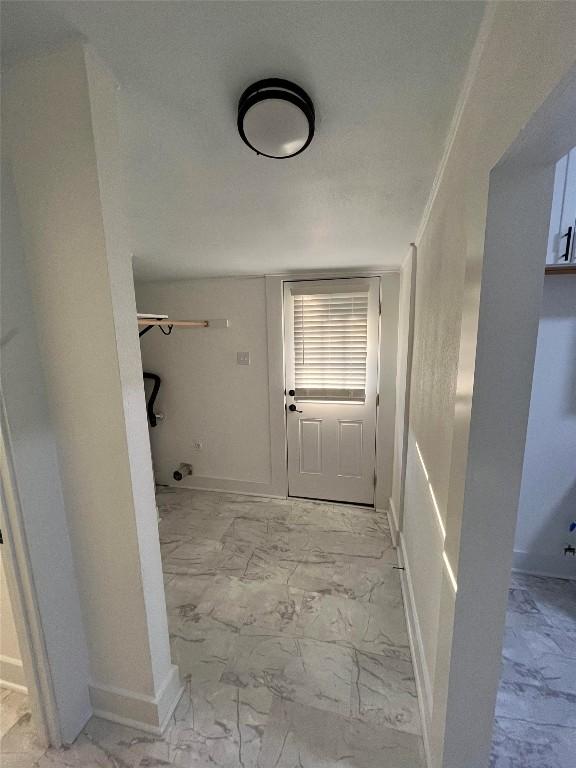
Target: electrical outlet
[
  {"x": 197, "y": 445},
  {"x": 243, "y": 358}
]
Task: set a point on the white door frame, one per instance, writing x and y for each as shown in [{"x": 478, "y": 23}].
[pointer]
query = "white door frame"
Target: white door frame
[
  {"x": 406, "y": 314},
  {"x": 276, "y": 373},
  {"x": 361, "y": 489},
  {"x": 494, "y": 387},
  {"x": 24, "y": 599}
]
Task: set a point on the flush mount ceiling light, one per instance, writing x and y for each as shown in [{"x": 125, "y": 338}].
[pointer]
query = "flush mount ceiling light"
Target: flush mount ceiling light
[{"x": 276, "y": 118}]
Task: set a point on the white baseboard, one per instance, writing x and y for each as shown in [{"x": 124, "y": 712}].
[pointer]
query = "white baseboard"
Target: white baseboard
[
  {"x": 421, "y": 673},
  {"x": 12, "y": 674},
  {"x": 536, "y": 564},
  {"x": 226, "y": 485},
  {"x": 147, "y": 713}
]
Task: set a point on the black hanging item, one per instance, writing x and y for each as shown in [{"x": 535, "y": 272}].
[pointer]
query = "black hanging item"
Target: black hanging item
[
  {"x": 568, "y": 235},
  {"x": 150, "y": 403},
  {"x": 149, "y": 328}
]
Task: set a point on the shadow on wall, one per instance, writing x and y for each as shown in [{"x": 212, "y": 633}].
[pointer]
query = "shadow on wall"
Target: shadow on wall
[
  {"x": 558, "y": 312},
  {"x": 548, "y": 494}
]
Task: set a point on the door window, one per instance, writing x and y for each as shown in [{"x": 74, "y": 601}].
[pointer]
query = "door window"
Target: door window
[{"x": 330, "y": 346}]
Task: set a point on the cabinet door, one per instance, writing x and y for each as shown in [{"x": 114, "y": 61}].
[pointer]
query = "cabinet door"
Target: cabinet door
[{"x": 562, "y": 236}]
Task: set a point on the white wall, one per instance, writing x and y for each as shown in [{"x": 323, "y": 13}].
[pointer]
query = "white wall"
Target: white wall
[
  {"x": 548, "y": 492},
  {"x": 205, "y": 395},
  {"x": 63, "y": 149},
  {"x": 11, "y": 671},
  {"x": 32, "y": 439},
  {"x": 524, "y": 50}
]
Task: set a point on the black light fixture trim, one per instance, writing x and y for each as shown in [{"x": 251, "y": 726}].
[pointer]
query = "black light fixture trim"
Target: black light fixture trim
[{"x": 276, "y": 88}]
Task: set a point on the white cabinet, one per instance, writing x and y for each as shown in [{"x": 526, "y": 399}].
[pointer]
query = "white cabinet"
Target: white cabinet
[{"x": 561, "y": 238}]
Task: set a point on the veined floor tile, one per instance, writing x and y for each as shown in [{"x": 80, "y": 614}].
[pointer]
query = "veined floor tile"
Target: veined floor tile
[
  {"x": 19, "y": 746},
  {"x": 13, "y": 706},
  {"x": 185, "y": 593},
  {"x": 384, "y": 693},
  {"x": 558, "y": 605},
  {"x": 545, "y": 640},
  {"x": 535, "y": 724},
  {"x": 518, "y": 664},
  {"x": 310, "y": 672},
  {"x": 203, "y": 660},
  {"x": 536, "y": 704},
  {"x": 219, "y": 725},
  {"x": 523, "y": 610},
  {"x": 376, "y": 628},
  {"x": 559, "y": 673},
  {"x": 287, "y": 623},
  {"x": 279, "y": 561},
  {"x": 520, "y": 744},
  {"x": 338, "y": 518},
  {"x": 299, "y": 736}
]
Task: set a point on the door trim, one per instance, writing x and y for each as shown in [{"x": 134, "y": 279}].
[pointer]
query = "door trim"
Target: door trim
[
  {"x": 24, "y": 598},
  {"x": 333, "y": 486},
  {"x": 276, "y": 374}
]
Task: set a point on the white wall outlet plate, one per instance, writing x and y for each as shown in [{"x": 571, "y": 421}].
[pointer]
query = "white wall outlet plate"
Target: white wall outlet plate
[
  {"x": 197, "y": 445},
  {"x": 243, "y": 358}
]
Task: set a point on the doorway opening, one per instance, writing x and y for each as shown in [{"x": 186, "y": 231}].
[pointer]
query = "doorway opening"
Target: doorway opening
[
  {"x": 497, "y": 380},
  {"x": 537, "y": 684},
  {"x": 17, "y": 728},
  {"x": 29, "y": 719}
]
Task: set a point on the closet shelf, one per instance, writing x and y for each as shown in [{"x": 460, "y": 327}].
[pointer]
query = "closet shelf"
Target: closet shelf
[
  {"x": 175, "y": 323},
  {"x": 561, "y": 269},
  {"x": 149, "y": 321}
]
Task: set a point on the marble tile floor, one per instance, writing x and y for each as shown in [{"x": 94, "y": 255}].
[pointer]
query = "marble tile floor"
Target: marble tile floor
[
  {"x": 287, "y": 622},
  {"x": 13, "y": 707},
  {"x": 535, "y": 724}
]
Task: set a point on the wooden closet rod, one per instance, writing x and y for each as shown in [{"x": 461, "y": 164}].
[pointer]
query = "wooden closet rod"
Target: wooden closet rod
[
  {"x": 147, "y": 323},
  {"x": 180, "y": 323},
  {"x": 561, "y": 269}
]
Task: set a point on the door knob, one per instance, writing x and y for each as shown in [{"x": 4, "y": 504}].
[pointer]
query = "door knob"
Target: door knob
[{"x": 293, "y": 408}]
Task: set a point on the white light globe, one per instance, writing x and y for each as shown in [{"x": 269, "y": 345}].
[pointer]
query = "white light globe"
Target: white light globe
[{"x": 276, "y": 127}]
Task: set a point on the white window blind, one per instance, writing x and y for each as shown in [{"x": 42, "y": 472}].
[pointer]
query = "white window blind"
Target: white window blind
[{"x": 330, "y": 346}]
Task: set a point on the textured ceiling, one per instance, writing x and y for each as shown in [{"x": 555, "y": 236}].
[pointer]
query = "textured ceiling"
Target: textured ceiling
[{"x": 384, "y": 76}]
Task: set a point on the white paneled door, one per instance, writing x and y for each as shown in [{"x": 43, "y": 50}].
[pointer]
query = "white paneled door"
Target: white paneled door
[{"x": 331, "y": 353}]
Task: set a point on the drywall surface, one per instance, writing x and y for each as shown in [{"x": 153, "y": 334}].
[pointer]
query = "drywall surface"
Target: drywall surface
[
  {"x": 525, "y": 50},
  {"x": 548, "y": 492},
  {"x": 11, "y": 671},
  {"x": 32, "y": 440},
  {"x": 63, "y": 149},
  {"x": 206, "y": 396}
]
